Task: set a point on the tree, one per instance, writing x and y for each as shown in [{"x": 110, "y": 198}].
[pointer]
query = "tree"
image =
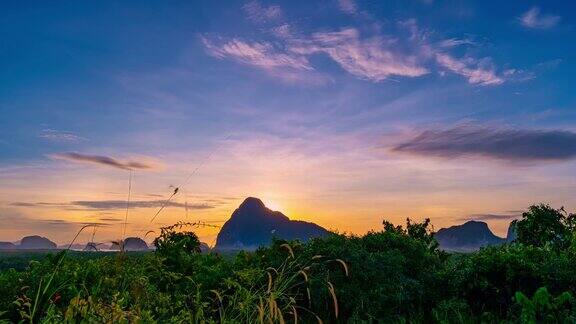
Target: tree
[
  {"x": 542, "y": 225},
  {"x": 418, "y": 231}
]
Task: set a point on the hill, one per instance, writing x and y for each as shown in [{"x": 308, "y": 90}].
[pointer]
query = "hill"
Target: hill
[
  {"x": 253, "y": 225},
  {"x": 36, "y": 242},
  {"x": 7, "y": 246},
  {"x": 132, "y": 244},
  {"x": 469, "y": 236}
]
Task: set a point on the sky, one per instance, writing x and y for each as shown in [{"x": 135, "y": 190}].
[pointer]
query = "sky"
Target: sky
[{"x": 343, "y": 113}]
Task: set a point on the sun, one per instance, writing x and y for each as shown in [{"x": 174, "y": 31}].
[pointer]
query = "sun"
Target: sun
[{"x": 272, "y": 204}]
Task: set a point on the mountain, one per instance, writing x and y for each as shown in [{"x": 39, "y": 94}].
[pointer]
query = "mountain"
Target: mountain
[
  {"x": 36, "y": 242},
  {"x": 253, "y": 225},
  {"x": 131, "y": 244},
  {"x": 7, "y": 246},
  {"x": 511, "y": 235},
  {"x": 469, "y": 236}
]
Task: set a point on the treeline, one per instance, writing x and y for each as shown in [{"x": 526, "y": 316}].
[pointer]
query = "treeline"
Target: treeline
[{"x": 390, "y": 276}]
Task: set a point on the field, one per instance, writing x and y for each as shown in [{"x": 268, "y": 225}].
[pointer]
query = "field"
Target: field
[{"x": 396, "y": 275}]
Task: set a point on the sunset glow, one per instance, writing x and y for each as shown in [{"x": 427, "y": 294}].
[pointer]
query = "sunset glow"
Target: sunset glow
[{"x": 338, "y": 114}]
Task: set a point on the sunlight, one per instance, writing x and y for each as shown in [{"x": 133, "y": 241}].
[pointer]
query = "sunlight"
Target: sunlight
[{"x": 273, "y": 204}]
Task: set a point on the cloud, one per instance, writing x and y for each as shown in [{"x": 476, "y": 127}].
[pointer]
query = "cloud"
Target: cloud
[
  {"x": 282, "y": 31},
  {"x": 278, "y": 63},
  {"x": 113, "y": 204},
  {"x": 477, "y": 72},
  {"x": 535, "y": 20},
  {"x": 121, "y": 204},
  {"x": 259, "y": 13},
  {"x": 348, "y": 6},
  {"x": 60, "y": 136},
  {"x": 374, "y": 58},
  {"x": 37, "y": 204},
  {"x": 14, "y": 220},
  {"x": 370, "y": 59},
  {"x": 454, "y": 42},
  {"x": 507, "y": 144},
  {"x": 493, "y": 217},
  {"x": 103, "y": 161},
  {"x": 260, "y": 54}
]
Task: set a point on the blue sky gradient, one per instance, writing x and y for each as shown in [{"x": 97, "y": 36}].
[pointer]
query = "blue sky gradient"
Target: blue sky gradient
[{"x": 339, "y": 112}]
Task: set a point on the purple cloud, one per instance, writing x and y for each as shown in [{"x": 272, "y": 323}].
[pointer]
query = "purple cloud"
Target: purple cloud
[
  {"x": 507, "y": 144},
  {"x": 103, "y": 161},
  {"x": 115, "y": 204}
]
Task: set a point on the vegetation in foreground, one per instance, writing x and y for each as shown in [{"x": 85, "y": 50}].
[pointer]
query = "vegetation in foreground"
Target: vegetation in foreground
[{"x": 394, "y": 275}]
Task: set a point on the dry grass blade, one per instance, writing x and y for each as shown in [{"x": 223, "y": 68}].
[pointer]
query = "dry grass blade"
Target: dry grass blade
[
  {"x": 344, "y": 265},
  {"x": 334, "y": 299},
  {"x": 279, "y": 314},
  {"x": 164, "y": 204},
  {"x": 318, "y": 256},
  {"x": 310, "y": 312},
  {"x": 289, "y": 248},
  {"x": 269, "y": 282},
  {"x": 272, "y": 309},
  {"x": 217, "y": 294},
  {"x": 304, "y": 275},
  {"x": 149, "y": 232},
  {"x": 261, "y": 312},
  {"x": 295, "y": 313},
  {"x": 78, "y": 233}
]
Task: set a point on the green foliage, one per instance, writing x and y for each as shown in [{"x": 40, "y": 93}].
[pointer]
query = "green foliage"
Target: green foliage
[
  {"x": 542, "y": 225},
  {"x": 545, "y": 308},
  {"x": 397, "y": 275}
]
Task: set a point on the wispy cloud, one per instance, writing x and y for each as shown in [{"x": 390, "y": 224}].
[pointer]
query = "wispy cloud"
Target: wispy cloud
[
  {"x": 372, "y": 56},
  {"x": 260, "y": 54},
  {"x": 478, "y": 72},
  {"x": 370, "y": 59},
  {"x": 493, "y": 217},
  {"x": 348, "y": 6},
  {"x": 114, "y": 204},
  {"x": 15, "y": 220},
  {"x": 536, "y": 20},
  {"x": 121, "y": 204},
  {"x": 286, "y": 66},
  {"x": 104, "y": 161},
  {"x": 454, "y": 42},
  {"x": 60, "y": 136},
  {"x": 259, "y": 13},
  {"x": 507, "y": 144}
]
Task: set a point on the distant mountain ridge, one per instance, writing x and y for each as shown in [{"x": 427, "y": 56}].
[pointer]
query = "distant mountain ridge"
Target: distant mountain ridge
[
  {"x": 131, "y": 244},
  {"x": 36, "y": 242},
  {"x": 467, "y": 237},
  {"x": 253, "y": 225},
  {"x": 8, "y": 246}
]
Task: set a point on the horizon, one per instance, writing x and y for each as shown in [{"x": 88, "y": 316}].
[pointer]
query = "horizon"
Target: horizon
[
  {"x": 342, "y": 113},
  {"x": 149, "y": 240}
]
